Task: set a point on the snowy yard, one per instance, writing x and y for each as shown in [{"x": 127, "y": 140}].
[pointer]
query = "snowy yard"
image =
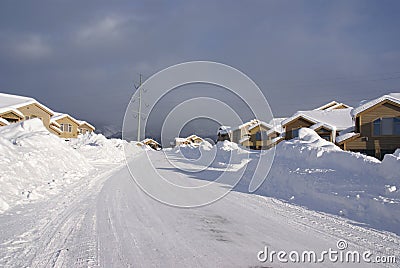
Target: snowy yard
[{"x": 75, "y": 204}]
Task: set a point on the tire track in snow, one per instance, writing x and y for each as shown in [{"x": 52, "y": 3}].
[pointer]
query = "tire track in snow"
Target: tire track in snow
[{"x": 62, "y": 231}]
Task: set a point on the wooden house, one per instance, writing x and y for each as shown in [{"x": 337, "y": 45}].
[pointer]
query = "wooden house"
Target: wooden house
[
  {"x": 64, "y": 125},
  {"x": 15, "y": 108},
  {"x": 328, "y": 121},
  {"x": 376, "y": 129},
  {"x": 85, "y": 127}
]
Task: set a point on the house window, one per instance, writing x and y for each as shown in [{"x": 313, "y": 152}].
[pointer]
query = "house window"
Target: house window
[
  {"x": 27, "y": 117},
  {"x": 261, "y": 135},
  {"x": 295, "y": 133},
  {"x": 377, "y": 127},
  {"x": 66, "y": 127},
  {"x": 386, "y": 126},
  {"x": 357, "y": 124},
  {"x": 396, "y": 125}
]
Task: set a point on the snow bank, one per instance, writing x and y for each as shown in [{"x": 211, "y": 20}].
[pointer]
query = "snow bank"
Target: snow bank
[
  {"x": 35, "y": 163},
  {"x": 97, "y": 148},
  {"x": 224, "y": 156},
  {"x": 390, "y": 167},
  {"x": 193, "y": 151},
  {"x": 315, "y": 173},
  {"x": 310, "y": 150}
]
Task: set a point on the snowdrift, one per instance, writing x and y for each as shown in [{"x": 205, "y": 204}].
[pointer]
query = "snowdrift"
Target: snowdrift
[
  {"x": 312, "y": 172},
  {"x": 390, "y": 167},
  {"x": 101, "y": 150},
  {"x": 223, "y": 156},
  {"x": 35, "y": 163}
]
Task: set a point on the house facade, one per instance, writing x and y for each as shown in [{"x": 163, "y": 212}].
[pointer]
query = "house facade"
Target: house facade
[
  {"x": 223, "y": 133},
  {"x": 67, "y": 126},
  {"x": 376, "y": 129},
  {"x": 15, "y": 108},
  {"x": 241, "y": 134},
  {"x": 152, "y": 144},
  {"x": 85, "y": 128},
  {"x": 257, "y": 135},
  {"x": 328, "y": 121}
]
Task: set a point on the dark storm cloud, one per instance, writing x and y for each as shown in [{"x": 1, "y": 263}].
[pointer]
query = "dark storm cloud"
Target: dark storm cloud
[{"x": 82, "y": 57}]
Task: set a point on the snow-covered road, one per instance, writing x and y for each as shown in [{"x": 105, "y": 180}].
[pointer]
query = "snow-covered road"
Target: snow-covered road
[{"x": 109, "y": 222}]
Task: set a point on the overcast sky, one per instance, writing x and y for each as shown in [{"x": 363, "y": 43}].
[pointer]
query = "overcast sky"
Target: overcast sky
[{"x": 82, "y": 57}]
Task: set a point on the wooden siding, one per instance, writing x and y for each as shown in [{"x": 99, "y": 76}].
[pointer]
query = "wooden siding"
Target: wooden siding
[
  {"x": 341, "y": 107},
  {"x": 367, "y": 142},
  {"x": 11, "y": 116},
  {"x": 85, "y": 128},
  {"x": 295, "y": 124},
  {"x": 35, "y": 110},
  {"x": 73, "y": 133}
]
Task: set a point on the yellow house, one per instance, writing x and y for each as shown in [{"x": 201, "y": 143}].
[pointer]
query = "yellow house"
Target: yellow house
[
  {"x": 332, "y": 106},
  {"x": 241, "y": 134},
  {"x": 84, "y": 127},
  {"x": 3, "y": 122},
  {"x": 180, "y": 141},
  {"x": 376, "y": 129},
  {"x": 266, "y": 135},
  {"x": 15, "y": 108},
  {"x": 10, "y": 115},
  {"x": 152, "y": 143},
  {"x": 194, "y": 139},
  {"x": 64, "y": 125}
]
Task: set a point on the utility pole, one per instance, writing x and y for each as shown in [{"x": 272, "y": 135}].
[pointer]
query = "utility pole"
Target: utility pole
[{"x": 139, "y": 113}]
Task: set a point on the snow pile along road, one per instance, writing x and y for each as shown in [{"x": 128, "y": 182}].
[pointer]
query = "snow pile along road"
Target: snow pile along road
[
  {"x": 390, "y": 167},
  {"x": 312, "y": 172},
  {"x": 97, "y": 148},
  {"x": 35, "y": 163},
  {"x": 224, "y": 156}
]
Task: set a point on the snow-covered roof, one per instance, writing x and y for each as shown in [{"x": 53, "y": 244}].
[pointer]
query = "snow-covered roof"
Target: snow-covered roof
[
  {"x": 325, "y": 106},
  {"x": 277, "y": 125},
  {"x": 339, "y": 118},
  {"x": 331, "y": 106},
  {"x": 193, "y": 137},
  {"x": 346, "y": 136},
  {"x": 394, "y": 97},
  {"x": 4, "y": 121},
  {"x": 56, "y": 127},
  {"x": 54, "y": 123},
  {"x": 82, "y": 122},
  {"x": 10, "y": 109},
  {"x": 277, "y": 139},
  {"x": 336, "y": 106},
  {"x": 148, "y": 140},
  {"x": 180, "y": 140},
  {"x": 58, "y": 116},
  {"x": 324, "y": 125},
  {"x": 249, "y": 123},
  {"x": 245, "y": 138},
  {"x": 260, "y": 123},
  {"x": 14, "y": 101},
  {"x": 223, "y": 130}
]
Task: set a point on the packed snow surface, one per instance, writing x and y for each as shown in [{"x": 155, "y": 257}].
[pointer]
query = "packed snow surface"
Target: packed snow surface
[{"x": 94, "y": 214}]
